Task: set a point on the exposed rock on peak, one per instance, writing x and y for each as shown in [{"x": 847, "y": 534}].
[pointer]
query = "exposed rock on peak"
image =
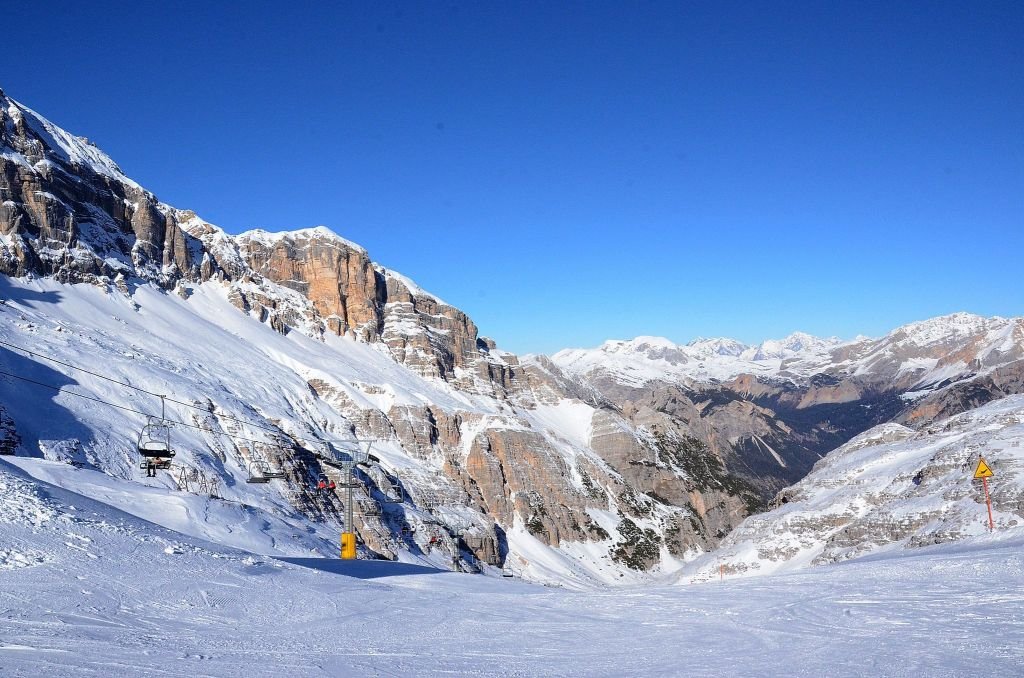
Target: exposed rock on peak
[{"x": 67, "y": 210}]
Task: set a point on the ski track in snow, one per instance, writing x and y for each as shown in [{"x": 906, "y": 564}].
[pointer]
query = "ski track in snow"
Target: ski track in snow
[{"x": 116, "y": 595}]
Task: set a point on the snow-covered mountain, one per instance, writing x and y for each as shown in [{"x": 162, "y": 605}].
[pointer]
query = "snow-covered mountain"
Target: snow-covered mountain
[
  {"x": 919, "y": 355},
  {"x": 891, "y": 487},
  {"x": 275, "y": 348},
  {"x": 271, "y": 346},
  {"x": 645, "y": 359},
  {"x": 770, "y": 411}
]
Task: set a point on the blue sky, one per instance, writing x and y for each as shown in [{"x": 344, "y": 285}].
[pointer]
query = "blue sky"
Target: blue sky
[{"x": 572, "y": 172}]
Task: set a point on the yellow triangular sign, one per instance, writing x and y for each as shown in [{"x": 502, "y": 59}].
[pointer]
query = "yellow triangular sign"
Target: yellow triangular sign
[{"x": 983, "y": 470}]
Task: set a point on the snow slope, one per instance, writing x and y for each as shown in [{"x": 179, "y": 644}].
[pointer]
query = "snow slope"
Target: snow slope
[
  {"x": 247, "y": 381},
  {"x": 862, "y": 497},
  {"x": 86, "y": 589}
]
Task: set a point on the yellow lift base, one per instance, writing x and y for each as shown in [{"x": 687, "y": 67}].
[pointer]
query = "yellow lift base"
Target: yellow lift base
[{"x": 348, "y": 546}]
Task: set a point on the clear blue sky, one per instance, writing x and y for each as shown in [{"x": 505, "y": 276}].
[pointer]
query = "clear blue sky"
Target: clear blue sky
[{"x": 571, "y": 172}]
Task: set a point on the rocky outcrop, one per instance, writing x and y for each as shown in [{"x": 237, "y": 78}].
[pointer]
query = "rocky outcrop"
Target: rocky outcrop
[
  {"x": 9, "y": 438},
  {"x": 335, "y": 275},
  {"x": 67, "y": 211}
]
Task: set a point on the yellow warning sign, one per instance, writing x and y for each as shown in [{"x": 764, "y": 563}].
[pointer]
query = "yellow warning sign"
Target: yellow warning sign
[{"x": 983, "y": 470}]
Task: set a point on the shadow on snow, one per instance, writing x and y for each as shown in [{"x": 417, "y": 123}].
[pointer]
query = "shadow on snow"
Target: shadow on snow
[{"x": 363, "y": 569}]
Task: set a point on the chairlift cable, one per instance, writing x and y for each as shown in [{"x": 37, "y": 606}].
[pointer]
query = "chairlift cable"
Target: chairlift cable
[
  {"x": 61, "y": 389},
  {"x": 80, "y": 395},
  {"x": 139, "y": 388}
]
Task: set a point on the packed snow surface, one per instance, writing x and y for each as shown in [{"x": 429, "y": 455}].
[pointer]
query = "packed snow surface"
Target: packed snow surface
[{"x": 101, "y": 592}]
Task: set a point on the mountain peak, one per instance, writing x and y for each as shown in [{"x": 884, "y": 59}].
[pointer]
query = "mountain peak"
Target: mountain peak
[
  {"x": 717, "y": 346},
  {"x": 271, "y": 238},
  {"x": 34, "y": 139},
  {"x": 944, "y": 328}
]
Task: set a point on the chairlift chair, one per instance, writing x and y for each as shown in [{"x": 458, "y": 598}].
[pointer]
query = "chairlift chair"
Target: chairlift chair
[
  {"x": 367, "y": 507},
  {"x": 155, "y": 439},
  {"x": 395, "y": 494},
  {"x": 273, "y": 474},
  {"x": 257, "y": 472},
  {"x": 154, "y": 442}
]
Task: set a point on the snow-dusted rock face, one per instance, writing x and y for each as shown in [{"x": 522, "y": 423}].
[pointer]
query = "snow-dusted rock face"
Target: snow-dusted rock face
[
  {"x": 889, "y": 487},
  {"x": 67, "y": 210},
  {"x": 302, "y": 336}
]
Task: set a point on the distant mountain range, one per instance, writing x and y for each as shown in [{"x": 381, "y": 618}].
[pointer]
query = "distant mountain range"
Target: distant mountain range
[{"x": 918, "y": 355}]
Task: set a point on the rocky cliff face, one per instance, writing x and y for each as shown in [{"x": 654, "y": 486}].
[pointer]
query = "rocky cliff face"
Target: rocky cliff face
[{"x": 66, "y": 210}]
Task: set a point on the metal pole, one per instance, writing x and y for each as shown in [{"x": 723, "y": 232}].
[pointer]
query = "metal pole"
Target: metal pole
[
  {"x": 988, "y": 501},
  {"x": 349, "y": 520}
]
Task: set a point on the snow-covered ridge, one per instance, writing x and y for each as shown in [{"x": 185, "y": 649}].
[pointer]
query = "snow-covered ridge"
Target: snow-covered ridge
[
  {"x": 946, "y": 328},
  {"x": 272, "y": 238},
  {"x": 67, "y": 147},
  {"x": 923, "y": 348},
  {"x": 643, "y": 359}
]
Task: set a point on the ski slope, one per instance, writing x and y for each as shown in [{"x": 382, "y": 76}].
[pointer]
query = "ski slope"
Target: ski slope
[{"x": 87, "y": 589}]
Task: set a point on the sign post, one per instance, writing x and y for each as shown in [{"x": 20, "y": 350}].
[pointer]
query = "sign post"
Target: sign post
[{"x": 984, "y": 471}]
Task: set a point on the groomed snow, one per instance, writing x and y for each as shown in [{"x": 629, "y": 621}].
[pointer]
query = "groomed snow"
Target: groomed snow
[{"x": 101, "y": 592}]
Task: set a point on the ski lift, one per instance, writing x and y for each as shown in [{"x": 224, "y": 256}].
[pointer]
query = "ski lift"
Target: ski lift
[
  {"x": 155, "y": 439},
  {"x": 395, "y": 495},
  {"x": 273, "y": 474},
  {"x": 154, "y": 442},
  {"x": 367, "y": 507},
  {"x": 258, "y": 472}
]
